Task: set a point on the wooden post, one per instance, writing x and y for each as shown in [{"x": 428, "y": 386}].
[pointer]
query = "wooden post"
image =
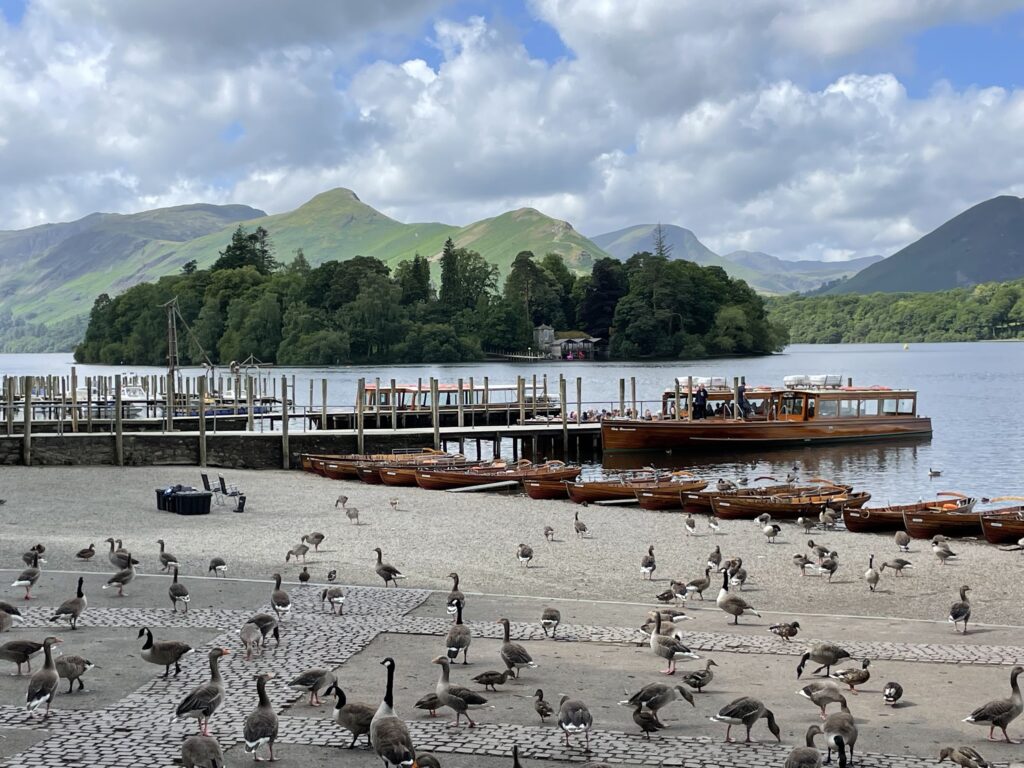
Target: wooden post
[
  {"x": 62, "y": 413},
  {"x": 309, "y": 410},
  {"x": 435, "y": 416},
  {"x": 579, "y": 400},
  {"x": 323, "y": 403},
  {"x": 118, "y": 425},
  {"x": 461, "y": 417},
  {"x": 677, "y": 399},
  {"x": 533, "y": 410},
  {"x": 360, "y": 405},
  {"x": 622, "y": 397},
  {"x": 736, "y": 413},
  {"x": 285, "y": 451},
  {"x": 376, "y": 404},
  {"x": 689, "y": 398},
  {"x": 632, "y": 394},
  {"x": 170, "y": 402},
  {"x": 88, "y": 403},
  {"x": 472, "y": 402},
  {"x": 565, "y": 416},
  {"x": 201, "y": 388},
  {"x": 487, "y": 400},
  {"x": 74, "y": 399},
  {"x": 521, "y": 395},
  {"x": 26, "y": 435},
  {"x": 9, "y": 386},
  {"x": 393, "y": 402},
  {"x": 249, "y": 402}
]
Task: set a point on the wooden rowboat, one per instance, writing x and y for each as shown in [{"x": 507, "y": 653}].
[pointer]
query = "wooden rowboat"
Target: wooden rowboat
[
  {"x": 621, "y": 488},
  {"x": 890, "y": 518},
  {"x": 785, "y": 507},
  {"x": 343, "y": 466},
  {"x": 537, "y": 488},
  {"x": 1003, "y": 526},
  {"x": 439, "y": 480},
  {"x": 699, "y": 502},
  {"x": 369, "y": 473},
  {"x": 667, "y": 495},
  {"x": 925, "y": 525}
]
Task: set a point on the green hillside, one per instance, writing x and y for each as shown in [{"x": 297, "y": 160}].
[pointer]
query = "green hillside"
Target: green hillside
[{"x": 781, "y": 276}]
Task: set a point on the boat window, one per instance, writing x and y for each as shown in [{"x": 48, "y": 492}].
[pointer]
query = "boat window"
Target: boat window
[
  {"x": 847, "y": 408},
  {"x": 906, "y": 405},
  {"x": 868, "y": 407},
  {"x": 889, "y": 407},
  {"x": 810, "y": 407},
  {"x": 828, "y": 408},
  {"x": 792, "y": 405}
]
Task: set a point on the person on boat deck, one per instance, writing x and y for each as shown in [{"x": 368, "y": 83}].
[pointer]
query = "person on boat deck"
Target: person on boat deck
[
  {"x": 700, "y": 401},
  {"x": 741, "y": 400}
]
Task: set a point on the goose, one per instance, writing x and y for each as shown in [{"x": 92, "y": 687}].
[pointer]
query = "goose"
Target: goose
[
  {"x": 966, "y": 757},
  {"x": 872, "y": 574},
  {"x": 334, "y": 597},
  {"x": 119, "y": 558},
  {"x": 122, "y": 578},
  {"x": 646, "y": 720},
  {"x": 167, "y": 560},
  {"x": 785, "y": 630},
  {"x": 827, "y": 518},
  {"x": 714, "y": 525},
  {"x": 427, "y": 760},
  {"x": 313, "y": 681},
  {"x": 299, "y": 550},
  {"x": 1000, "y": 712},
  {"x": 353, "y": 716},
  {"x": 279, "y": 600},
  {"x": 201, "y": 752},
  {"x": 807, "y": 524},
  {"x": 549, "y": 533},
  {"x": 657, "y": 696},
  {"x": 829, "y": 565},
  {"x": 822, "y": 693},
  {"x": 820, "y": 551},
  {"x": 724, "y": 485},
  {"x": 387, "y": 571},
  {"x": 513, "y": 654},
  {"x": 791, "y": 476},
  {"x": 897, "y": 564},
  {"x": 454, "y": 596},
  {"x": 42, "y": 686},
  {"x": 8, "y": 620},
  {"x": 165, "y": 652},
  {"x": 252, "y": 640},
  {"x": 459, "y": 637},
  {"x": 72, "y": 608},
  {"x": 28, "y": 557},
  {"x": 394, "y": 504},
  {"x": 205, "y": 698},
  {"x": 315, "y": 538},
  {"x": 457, "y": 698},
  {"x": 763, "y": 519},
  {"x": 734, "y": 605},
  {"x": 961, "y": 609},
  {"x": 332, "y": 575},
  {"x": 20, "y": 652},
  {"x": 902, "y": 539},
  {"x": 802, "y": 561},
  {"x": 352, "y": 513},
  {"x": 942, "y": 552},
  {"x": 28, "y": 577},
  {"x": 341, "y": 501},
  {"x": 824, "y": 653},
  {"x": 86, "y": 554},
  {"x": 690, "y": 525},
  {"x": 178, "y": 593},
  {"x": 934, "y": 472},
  {"x": 669, "y": 648},
  {"x": 217, "y": 566},
  {"x": 267, "y": 625},
  {"x": 389, "y": 736},
  {"x": 746, "y": 711},
  {"x": 840, "y": 731},
  {"x": 892, "y": 693},
  {"x": 771, "y": 531},
  {"x": 260, "y": 727},
  {"x": 579, "y": 526},
  {"x": 490, "y": 679},
  {"x": 737, "y": 573},
  {"x": 71, "y": 668},
  {"x": 701, "y": 678},
  {"x": 304, "y": 577},
  {"x": 525, "y": 554},
  {"x": 676, "y": 589},
  {"x": 541, "y": 707},
  {"x": 698, "y": 585},
  {"x": 715, "y": 558},
  {"x": 429, "y": 703},
  {"x": 573, "y": 718},
  {"x": 647, "y": 564},
  {"x": 550, "y": 618},
  {"x": 853, "y": 676},
  {"x": 807, "y": 756}
]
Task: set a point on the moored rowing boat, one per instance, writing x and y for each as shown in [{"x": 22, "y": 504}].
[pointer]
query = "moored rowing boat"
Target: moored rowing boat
[
  {"x": 439, "y": 480},
  {"x": 537, "y": 488},
  {"x": 925, "y": 525},
  {"x": 1003, "y": 526},
  {"x": 699, "y": 502},
  {"x": 661, "y": 496},
  {"x": 890, "y": 518}
]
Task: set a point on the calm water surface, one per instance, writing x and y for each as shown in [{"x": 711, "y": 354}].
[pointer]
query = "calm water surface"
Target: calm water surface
[{"x": 972, "y": 391}]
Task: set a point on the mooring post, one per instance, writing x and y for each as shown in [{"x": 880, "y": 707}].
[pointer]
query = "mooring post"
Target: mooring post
[
  {"x": 565, "y": 416},
  {"x": 118, "y": 422},
  {"x": 689, "y": 398},
  {"x": 26, "y": 435},
  {"x": 521, "y": 396},
  {"x": 579, "y": 400},
  {"x": 360, "y": 397},
  {"x": 74, "y": 399},
  {"x": 323, "y": 403},
  {"x": 677, "y": 414},
  {"x": 249, "y": 420},
  {"x": 376, "y": 403},
  {"x": 533, "y": 398},
  {"x": 487, "y": 400},
  {"x": 393, "y": 402},
  {"x": 201, "y": 388},
  {"x": 736, "y": 412},
  {"x": 472, "y": 402},
  {"x": 286, "y": 461},
  {"x": 170, "y": 402},
  {"x": 461, "y": 412},
  {"x": 622, "y": 397},
  {"x": 88, "y": 403},
  {"x": 632, "y": 393},
  {"x": 435, "y": 416}
]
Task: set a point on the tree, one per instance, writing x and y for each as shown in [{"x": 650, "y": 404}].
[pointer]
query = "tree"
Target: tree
[
  {"x": 565, "y": 282},
  {"x": 662, "y": 248},
  {"x": 248, "y": 250},
  {"x": 189, "y": 267},
  {"x": 607, "y": 285},
  {"x": 536, "y": 289},
  {"x": 413, "y": 277},
  {"x": 465, "y": 277},
  {"x": 448, "y": 295},
  {"x": 300, "y": 265}
]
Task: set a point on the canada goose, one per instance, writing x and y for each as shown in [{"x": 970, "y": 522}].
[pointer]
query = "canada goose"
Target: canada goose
[
  {"x": 205, "y": 698},
  {"x": 42, "y": 686},
  {"x": 86, "y": 554},
  {"x": 763, "y": 519},
  {"x": 299, "y": 550},
  {"x": 72, "y": 609},
  {"x": 892, "y": 693},
  {"x": 840, "y": 732},
  {"x": 669, "y": 648},
  {"x": 456, "y": 697},
  {"x": 715, "y": 558},
  {"x": 386, "y": 571},
  {"x": 20, "y": 652},
  {"x": 714, "y": 525},
  {"x": 807, "y": 756},
  {"x": 118, "y": 558},
  {"x": 829, "y": 565},
  {"x": 807, "y": 524},
  {"x": 429, "y": 703},
  {"x": 164, "y": 653},
  {"x": 785, "y": 630},
  {"x": 647, "y": 564},
  {"x": 304, "y": 577},
  {"x": 542, "y": 707},
  {"x": 822, "y": 693},
  {"x": 201, "y": 752},
  {"x": 646, "y": 720},
  {"x": 313, "y": 681},
  {"x": 334, "y": 597},
  {"x": 966, "y": 757},
  {"x": 491, "y": 678},
  {"x": 690, "y": 525},
  {"x": 823, "y": 653},
  {"x": 178, "y": 593},
  {"x": 513, "y": 654},
  {"x": 656, "y": 696},
  {"x": 217, "y": 566},
  {"x": 28, "y": 577},
  {"x": 550, "y": 618},
  {"x": 549, "y": 533},
  {"x": 71, "y": 668},
  {"x": 578, "y": 525},
  {"x": 459, "y": 637},
  {"x": 260, "y": 727},
  {"x": 525, "y": 554},
  {"x": 698, "y": 585},
  {"x": 902, "y": 539},
  {"x": 701, "y": 678},
  {"x": 167, "y": 560},
  {"x": 771, "y": 531},
  {"x": 961, "y": 610},
  {"x": 872, "y": 574},
  {"x": 122, "y": 578},
  {"x": 746, "y": 711},
  {"x": 853, "y": 676},
  {"x": 1000, "y": 712},
  {"x": 934, "y": 472},
  {"x": 279, "y": 600},
  {"x": 353, "y": 716},
  {"x": 897, "y": 564},
  {"x": 827, "y": 518},
  {"x": 315, "y": 538},
  {"x": 734, "y": 605},
  {"x": 454, "y": 596},
  {"x": 574, "y": 717},
  {"x": 389, "y": 736},
  {"x": 801, "y": 561}
]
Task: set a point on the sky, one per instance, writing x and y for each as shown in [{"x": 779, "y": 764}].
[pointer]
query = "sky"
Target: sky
[{"x": 820, "y": 129}]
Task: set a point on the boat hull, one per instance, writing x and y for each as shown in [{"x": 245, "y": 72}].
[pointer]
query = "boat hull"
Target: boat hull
[
  {"x": 699, "y": 502},
  {"x": 545, "y": 489},
  {"x": 1003, "y": 527},
  {"x": 589, "y": 493},
  {"x": 666, "y": 497},
  {"x": 887, "y": 519},
  {"x": 441, "y": 480},
  {"x": 925, "y": 525},
  {"x": 369, "y": 475},
  {"x": 748, "y": 509}
]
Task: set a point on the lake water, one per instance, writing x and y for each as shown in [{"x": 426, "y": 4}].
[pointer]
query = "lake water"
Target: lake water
[{"x": 969, "y": 390}]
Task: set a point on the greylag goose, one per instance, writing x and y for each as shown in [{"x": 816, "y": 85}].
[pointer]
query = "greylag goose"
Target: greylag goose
[
  {"x": 205, "y": 698},
  {"x": 647, "y": 564},
  {"x": 1000, "y": 712},
  {"x": 872, "y": 574},
  {"x": 853, "y": 676},
  {"x": 802, "y": 562},
  {"x": 28, "y": 557},
  {"x": 698, "y": 585},
  {"x": 746, "y": 711},
  {"x": 657, "y": 696},
  {"x": 352, "y": 513},
  {"x": 72, "y": 668},
  {"x": 734, "y": 605},
  {"x": 20, "y": 652},
  {"x": 647, "y": 721},
  {"x": 252, "y": 640},
  {"x": 840, "y": 732},
  {"x": 513, "y": 654},
  {"x": 827, "y": 518},
  {"x": 965, "y": 757},
  {"x": 86, "y": 554},
  {"x": 942, "y": 552},
  {"x": 42, "y": 686},
  {"x": 897, "y": 564},
  {"x": 902, "y": 539},
  {"x": 353, "y": 716},
  {"x": 541, "y": 707},
  {"x": 178, "y": 593},
  {"x": 122, "y": 555},
  {"x": 299, "y": 550},
  {"x": 304, "y": 577},
  {"x": 335, "y": 598},
  {"x": 822, "y": 693},
  {"x": 267, "y": 625},
  {"x": 574, "y": 718},
  {"x": 824, "y": 653},
  {"x": 701, "y": 678},
  {"x": 165, "y": 652},
  {"x": 201, "y": 752},
  {"x": 458, "y": 638},
  {"x": 579, "y": 526},
  {"x": 807, "y": 524},
  {"x": 429, "y": 703},
  {"x": 167, "y": 560},
  {"x": 28, "y": 577},
  {"x": 386, "y": 571},
  {"x": 315, "y": 538},
  {"x": 8, "y": 620},
  {"x": 961, "y": 609},
  {"x": 668, "y": 648},
  {"x": 821, "y": 552},
  {"x": 454, "y": 596},
  {"x": 785, "y": 630},
  {"x": 771, "y": 531},
  {"x": 457, "y": 698},
  {"x": 491, "y": 678},
  {"x": 892, "y": 693},
  {"x": 72, "y": 608},
  {"x": 260, "y": 727},
  {"x": 389, "y": 736},
  {"x": 280, "y": 601},
  {"x": 122, "y": 578},
  {"x": 217, "y": 566},
  {"x": 341, "y": 501},
  {"x": 550, "y": 618},
  {"x": 549, "y": 533},
  {"x": 313, "y": 681},
  {"x": 763, "y": 519},
  {"x": 807, "y": 756},
  {"x": 829, "y": 565},
  {"x": 525, "y": 554},
  {"x": 714, "y": 525},
  {"x": 690, "y": 525},
  {"x": 715, "y": 558}
]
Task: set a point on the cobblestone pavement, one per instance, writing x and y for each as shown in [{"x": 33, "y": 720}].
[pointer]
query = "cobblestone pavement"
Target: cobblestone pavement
[{"x": 138, "y": 730}]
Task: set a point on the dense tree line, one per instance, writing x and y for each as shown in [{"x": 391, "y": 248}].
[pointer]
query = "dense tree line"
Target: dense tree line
[
  {"x": 987, "y": 311},
  {"x": 20, "y": 335},
  {"x": 360, "y": 310}
]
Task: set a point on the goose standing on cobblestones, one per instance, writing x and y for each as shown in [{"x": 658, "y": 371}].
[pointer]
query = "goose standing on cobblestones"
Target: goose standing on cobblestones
[
  {"x": 734, "y": 605},
  {"x": 574, "y": 718},
  {"x": 961, "y": 609},
  {"x": 279, "y": 600},
  {"x": 28, "y": 577},
  {"x": 72, "y": 608},
  {"x": 429, "y": 703},
  {"x": 459, "y": 637},
  {"x": 386, "y": 571},
  {"x": 965, "y": 757},
  {"x": 1000, "y": 712},
  {"x": 42, "y": 686},
  {"x": 206, "y": 698},
  {"x": 668, "y": 648},
  {"x": 260, "y": 727},
  {"x": 178, "y": 593},
  {"x": 389, "y": 736},
  {"x": 657, "y": 696},
  {"x": 456, "y": 697},
  {"x": 454, "y": 596},
  {"x": 217, "y": 566},
  {"x": 314, "y": 681},
  {"x": 164, "y": 653},
  {"x": 167, "y": 560},
  {"x": 71, "y": 668},
  {"x": 122, "y": 578},
  {"x": 550, "y": 618},
  {"x": 201, "y": 752},
  {"x": 265, "y": 624},
  {"x": 335, "y": 598},
  {"x": 824, "y": 653},
  {"x": 746, "y": 711},
  {"x": 353, "y": 716},
  {"x": 807, "y": 756},
  {"x": 513, "y": 654}
]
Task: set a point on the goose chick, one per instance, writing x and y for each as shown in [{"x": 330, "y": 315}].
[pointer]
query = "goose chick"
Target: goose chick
[{"x": 734, "y": 605}]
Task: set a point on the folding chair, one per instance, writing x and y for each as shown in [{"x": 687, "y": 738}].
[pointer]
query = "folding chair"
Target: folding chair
[
  {"x": 230, "y": 491},
  {"x": 211, "y": 488}
]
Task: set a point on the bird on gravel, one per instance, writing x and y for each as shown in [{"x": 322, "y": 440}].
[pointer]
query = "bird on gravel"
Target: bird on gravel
[
  {"x": 820, "y": 551},
  {"x": 331, "y": 576},
  {"x": 690, "y": 525},
  {"x": 801, "y": 561},
  {"x": 902, "y": 539},
  {"x": 549, "y": 533},
  {"x": 648, "y": 564},
  {"x": 829, "y": 565},
  {"x": 525, "y": 554},
  {"x": 342, "y": 501},
  {"x": 872, "y": 574},
  {"x": 394, "y": 504},
  {"x": 961, "y": 609},
  {"x": 897, "y": 564},
  {"x": 942, "y": 552},
  {"x": 771, "y": 531},
  {"x": 806, "y": 523},
  {"x": 579, "y": 525},
  {"x": 713, "y": 524}
]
